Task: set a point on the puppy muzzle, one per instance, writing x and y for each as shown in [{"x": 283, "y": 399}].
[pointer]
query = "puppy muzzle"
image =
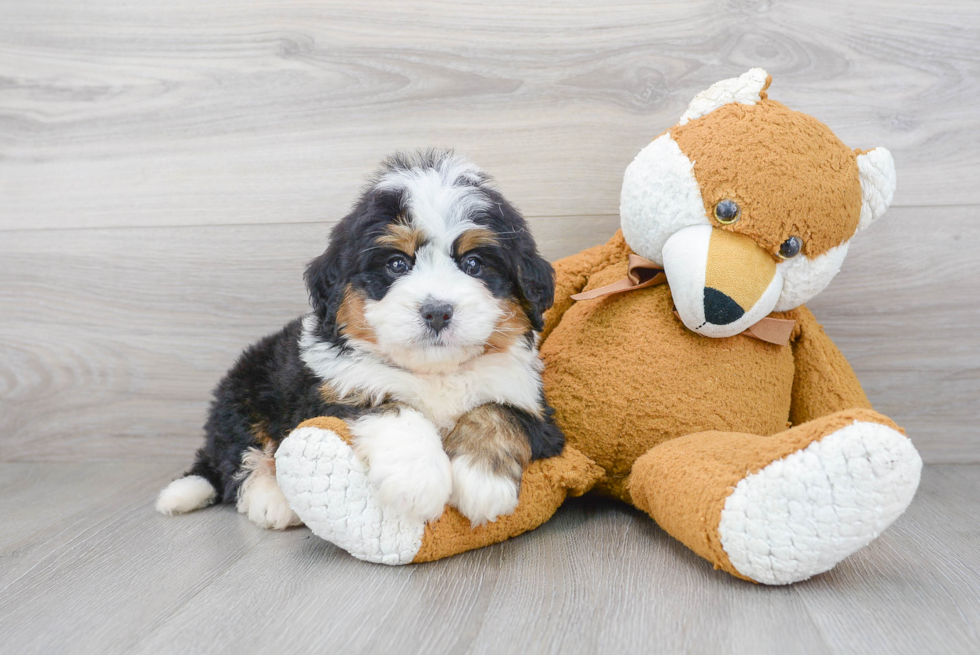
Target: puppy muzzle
[{"x": 722, "y": 283}]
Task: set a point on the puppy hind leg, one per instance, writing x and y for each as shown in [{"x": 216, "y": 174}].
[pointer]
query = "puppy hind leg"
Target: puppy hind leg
[{"x": 259, "y": 496}]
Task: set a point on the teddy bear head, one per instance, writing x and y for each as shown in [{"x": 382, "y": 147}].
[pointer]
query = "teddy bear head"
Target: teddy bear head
[{"x": 748, "y": 206}]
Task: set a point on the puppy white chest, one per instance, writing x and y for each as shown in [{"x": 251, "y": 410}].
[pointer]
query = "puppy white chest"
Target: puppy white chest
[{"x": 512, "y": 377}]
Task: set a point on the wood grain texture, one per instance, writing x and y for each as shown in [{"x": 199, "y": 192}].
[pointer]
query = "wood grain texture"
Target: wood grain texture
[
  {"x": 108, "y": 575},
  {"x": 113, "y": 338},
  {"x": 208, "y": 112}
]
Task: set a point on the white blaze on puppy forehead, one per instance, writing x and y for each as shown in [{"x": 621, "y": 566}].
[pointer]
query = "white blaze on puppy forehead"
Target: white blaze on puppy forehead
[{"x": 440, "y": 199}]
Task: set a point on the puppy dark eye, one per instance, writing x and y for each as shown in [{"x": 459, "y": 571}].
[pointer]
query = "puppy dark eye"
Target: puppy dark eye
[
  {"x": 727, "y": 212},
  {"x": 398, "y": 265},
  {"x": 472, "y": 265},
  {"x": 790, "y": 248}
]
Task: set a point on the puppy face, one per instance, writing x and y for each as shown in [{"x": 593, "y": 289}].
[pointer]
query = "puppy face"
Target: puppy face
[{"x": 431, "y": 269}]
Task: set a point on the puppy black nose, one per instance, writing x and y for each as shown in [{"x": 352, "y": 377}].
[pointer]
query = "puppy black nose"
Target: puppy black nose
[
  {"x": 436, "y": 315},
  {"x": 719, "y": 309}
]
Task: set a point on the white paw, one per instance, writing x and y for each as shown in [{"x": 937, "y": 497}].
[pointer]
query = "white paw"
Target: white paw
[
  {"x": 327, "y": 485},
  {"x": 414, "y": 484},
  {"x": 480, "y": 495},
  {"x": 263, "y": 502},
  {"x": 407, "y": 466},
  {"x": 801, "y": 515}
]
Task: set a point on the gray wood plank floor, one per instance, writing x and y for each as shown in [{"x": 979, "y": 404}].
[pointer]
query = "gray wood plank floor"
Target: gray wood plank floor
[{"x": 86, "y": 566}]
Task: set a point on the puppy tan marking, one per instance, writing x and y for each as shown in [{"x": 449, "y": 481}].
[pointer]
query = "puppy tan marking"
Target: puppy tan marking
[
  {"x": 350, "y": 318},
  {"x": 489, "y": 453},
  {"x": 490, "y": 436},
  {"x": 472, "y": 239},
  {"x": 260, "y": 430},
  {"x": 402, "y": 236},
  {"x": 513, "y": 325},
  {"x": 355, "y": 398}
]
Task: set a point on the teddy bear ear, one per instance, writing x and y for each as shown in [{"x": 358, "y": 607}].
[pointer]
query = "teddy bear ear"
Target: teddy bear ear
[
  {"x": 876, "y": 170},
  {"x": 747, "y": 89}
]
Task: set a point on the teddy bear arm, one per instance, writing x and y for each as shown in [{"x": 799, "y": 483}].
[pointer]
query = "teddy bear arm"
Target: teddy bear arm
[
  {"x": 572, "y": 274},
  {"x": 545, "y": 485},
  {"x": 327, "y": 486},
  {"x": 824, "y": 381}
]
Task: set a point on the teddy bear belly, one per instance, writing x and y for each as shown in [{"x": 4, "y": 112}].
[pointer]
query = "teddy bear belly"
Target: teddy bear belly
[{"x": 625, "y": 375}]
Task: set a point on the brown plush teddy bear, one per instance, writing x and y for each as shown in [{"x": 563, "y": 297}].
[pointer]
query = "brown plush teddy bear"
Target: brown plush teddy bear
[{"x": 690, "y": 380}]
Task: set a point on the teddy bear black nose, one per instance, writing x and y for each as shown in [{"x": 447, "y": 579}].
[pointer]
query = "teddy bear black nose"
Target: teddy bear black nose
[
  {"x": 436, "y": 315},
  {"x": 719, "y": 309}
]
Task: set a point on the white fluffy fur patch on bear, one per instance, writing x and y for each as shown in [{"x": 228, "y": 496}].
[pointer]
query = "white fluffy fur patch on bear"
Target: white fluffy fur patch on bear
[
  {"x": 801, "y": 515},
  {"x": 876, "y": 170},
  {"x": 745, "y": 89},
  {"x": 660, "y": 196},
  {"x": 804, "y": 278}
]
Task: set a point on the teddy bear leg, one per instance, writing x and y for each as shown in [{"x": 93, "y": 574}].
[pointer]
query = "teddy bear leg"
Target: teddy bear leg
[
  {"x": 780, "y": 509},
  {"x": 328, "y": 488}
]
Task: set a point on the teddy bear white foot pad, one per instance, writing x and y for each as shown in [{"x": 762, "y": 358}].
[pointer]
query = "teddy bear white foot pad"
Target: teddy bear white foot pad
[
  {"x": 801, "y": 515},
  {"x": 327, "y": 486}
]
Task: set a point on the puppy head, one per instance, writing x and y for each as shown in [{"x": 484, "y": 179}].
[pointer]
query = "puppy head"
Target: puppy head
[{"x": 431, "y": 269}]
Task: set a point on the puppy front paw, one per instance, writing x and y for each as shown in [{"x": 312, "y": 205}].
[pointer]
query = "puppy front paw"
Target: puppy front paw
[
  {"x": 407, "y": 466},
  {"x": 481, "y": 495},
  {"x": 415, "y": 484}
]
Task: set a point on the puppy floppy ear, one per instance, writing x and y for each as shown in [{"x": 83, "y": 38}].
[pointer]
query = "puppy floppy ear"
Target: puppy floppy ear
[
  {"x": 325, "y": 284},
  {"x": 536, "y": 279}
]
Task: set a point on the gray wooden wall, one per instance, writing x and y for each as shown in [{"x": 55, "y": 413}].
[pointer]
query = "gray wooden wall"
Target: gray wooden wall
[{"x": 167, "y": 168}]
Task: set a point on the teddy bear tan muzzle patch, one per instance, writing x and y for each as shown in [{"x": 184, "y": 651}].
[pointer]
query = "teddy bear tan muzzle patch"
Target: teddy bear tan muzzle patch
[{"x": 722, "y": 282}]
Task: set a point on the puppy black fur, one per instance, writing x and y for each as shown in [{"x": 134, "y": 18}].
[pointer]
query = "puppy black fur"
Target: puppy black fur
[{"x": 270, "y": 390}]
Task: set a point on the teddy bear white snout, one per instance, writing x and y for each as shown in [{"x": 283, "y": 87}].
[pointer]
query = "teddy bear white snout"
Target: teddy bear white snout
[{"x": 721, "y": 283}]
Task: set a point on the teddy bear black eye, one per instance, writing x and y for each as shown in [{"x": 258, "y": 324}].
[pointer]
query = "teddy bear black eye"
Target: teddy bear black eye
[
  {"x": 790, "y": 248},
  {"x": 472, "y": 265},
  {"x": 398, "y": 265},
  {"x": 727, "y": 212}
]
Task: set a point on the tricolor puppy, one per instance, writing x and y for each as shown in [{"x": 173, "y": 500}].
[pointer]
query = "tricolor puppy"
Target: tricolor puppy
[{"x": 426, "y": 307}]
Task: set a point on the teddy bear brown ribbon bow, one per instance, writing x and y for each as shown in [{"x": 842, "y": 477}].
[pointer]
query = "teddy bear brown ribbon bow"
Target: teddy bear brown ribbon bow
[{"x": 642, "y": 273}]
